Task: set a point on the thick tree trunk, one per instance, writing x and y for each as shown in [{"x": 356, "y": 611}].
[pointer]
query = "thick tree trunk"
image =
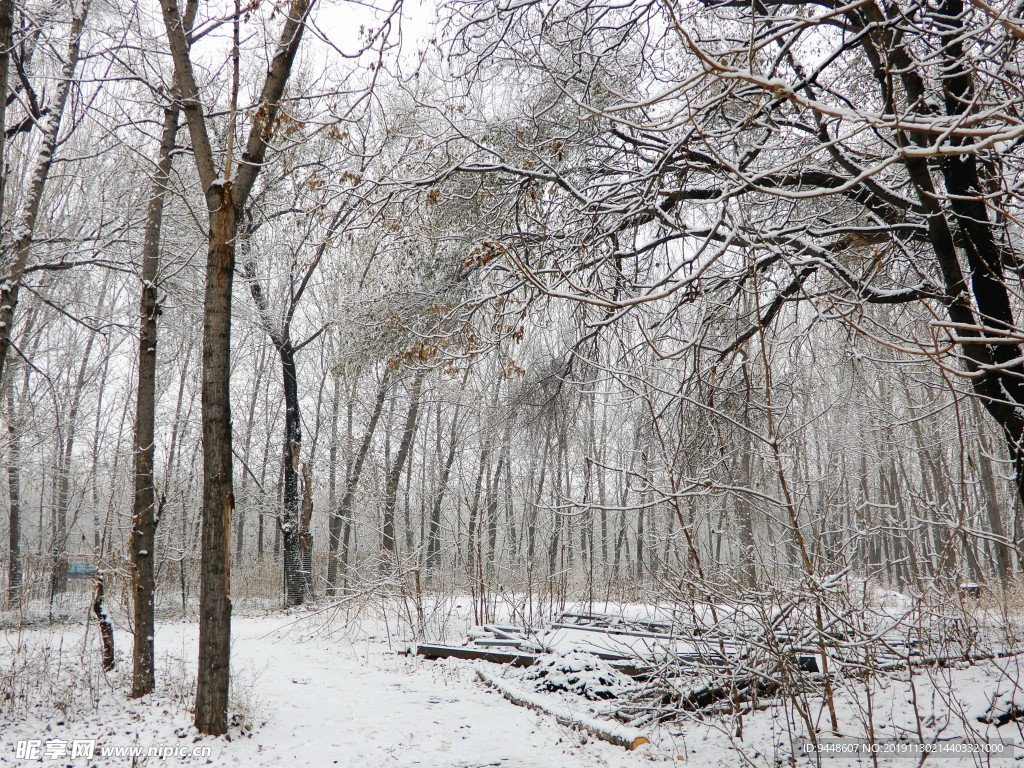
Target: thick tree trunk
[
  {"x": 292, "y": 531},
  {"x": 144, "y": 513},
  {"x": 218, "y": 467},
  {"x": 224, "y": 199}
]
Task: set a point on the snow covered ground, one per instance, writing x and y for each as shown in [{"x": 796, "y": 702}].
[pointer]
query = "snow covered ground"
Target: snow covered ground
[
  {"x": 310, "y": 692},
  {"x": 301, "y": 698}
]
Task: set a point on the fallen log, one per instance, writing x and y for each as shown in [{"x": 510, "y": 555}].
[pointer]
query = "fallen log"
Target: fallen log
[{"x": 613, "y": 733}]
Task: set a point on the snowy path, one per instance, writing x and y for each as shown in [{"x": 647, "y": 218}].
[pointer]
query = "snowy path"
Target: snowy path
[
  {"x": 312, "y": 701},
  {"x": 357, "y": 704}
]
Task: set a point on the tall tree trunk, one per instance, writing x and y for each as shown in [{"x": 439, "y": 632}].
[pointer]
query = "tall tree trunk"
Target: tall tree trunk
[
  {"x": 226, "y": 197},
  {"x": 395, "y": 472},
  {"x": 434, "y": 529},
  {"x": 342, "y": 516},
  {"x": 218, "y": 468},
  {"x": 14, "y": 572},
  {"x": 291, "y": 526},
  {"x": 144, "y": 513}
]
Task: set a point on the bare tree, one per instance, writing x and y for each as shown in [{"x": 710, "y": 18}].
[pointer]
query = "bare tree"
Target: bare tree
[
  {"x": 226, "y": 193},
  {"x": 145, "y": 514},
  {"x": 878, "y": 172},
  {"x": 17, "y": 251}
]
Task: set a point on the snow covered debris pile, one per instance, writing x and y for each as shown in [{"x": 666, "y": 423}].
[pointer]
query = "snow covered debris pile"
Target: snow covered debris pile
[
  {"x": 1007, "y": 706},
  {"x": 576, "y": 672}
]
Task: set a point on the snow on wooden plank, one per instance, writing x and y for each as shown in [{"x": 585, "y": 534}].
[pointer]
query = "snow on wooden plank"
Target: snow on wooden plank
[
  {"x": 432, "y": 651},
  {"x": 614, "y": 733}
]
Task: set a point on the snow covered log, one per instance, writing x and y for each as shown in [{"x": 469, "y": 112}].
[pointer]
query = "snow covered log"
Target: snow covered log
[{"x": 614, "y": 733}]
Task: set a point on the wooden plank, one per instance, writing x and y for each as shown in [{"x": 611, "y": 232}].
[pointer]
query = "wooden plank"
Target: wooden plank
[
  {"x": 612, "y": 621},
  {"x": 485, "y": 643},
  {"x": 505, "y": 633},
  {"x": 615, "y": 631},
  {"x": 431, "y": 651}
]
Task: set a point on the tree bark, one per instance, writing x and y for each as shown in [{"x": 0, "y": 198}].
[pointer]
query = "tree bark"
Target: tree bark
[
  {"x": 218, "y": 466},
  {"x": 14, "y": 572},
  {"x": 291, "y": 526},
  {"x": 225, "y": 199},
  {"x": 144, "y": 513}
]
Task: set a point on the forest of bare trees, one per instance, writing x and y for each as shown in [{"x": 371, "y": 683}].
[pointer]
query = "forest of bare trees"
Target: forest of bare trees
[{"x": 574, "y": 298}]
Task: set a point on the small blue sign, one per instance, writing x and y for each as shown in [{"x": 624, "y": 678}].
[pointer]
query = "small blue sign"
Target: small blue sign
[{"x": 79, "y": 569}]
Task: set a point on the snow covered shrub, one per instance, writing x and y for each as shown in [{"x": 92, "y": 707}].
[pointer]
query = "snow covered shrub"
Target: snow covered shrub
[
  {"x": 581, "y": 673},
  {"x": 44, "y": 671}
]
